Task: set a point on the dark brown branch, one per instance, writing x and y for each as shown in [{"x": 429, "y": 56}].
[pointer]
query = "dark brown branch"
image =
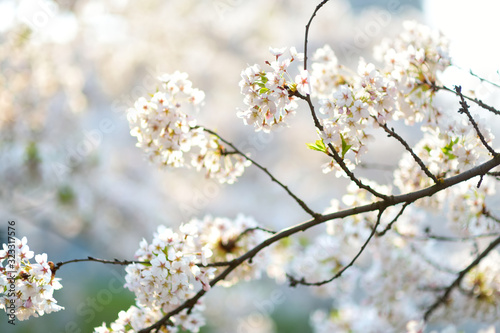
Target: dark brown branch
[
  {"x": 335, "y": 155},
  {"x": 461, "y": 275},
  {"x": 417, "y": 159},
  {"x": 294, "y": 281},
  {"x": 301, "y": 203},
  {"x": 104, "y": 261},
  {"x": 377, "y": 205},
  {"x": 464, "y": 108},
  {"x": 318, "y": 7}
]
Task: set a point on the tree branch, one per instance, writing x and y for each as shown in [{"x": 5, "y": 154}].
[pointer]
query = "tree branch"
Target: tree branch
[
  {"x": 417, "y": 159},
  {"x": 377, "y": 205},
  {"x": 459, "y": 279},
  {"x": 389, "y": 226},
  {"x": 448, "y": 238},
  {"x": 465, "y": 109},
  {"x": 294, "y": 281},
  {"x": 104, "y": 261},
  {"x": 301, "y": 203},
  {"x": 334, "y": 154},
  {"x": 483, "y": 79},
  {"x": 474, "y": 100},
  {"x": 318, "y": 7}
]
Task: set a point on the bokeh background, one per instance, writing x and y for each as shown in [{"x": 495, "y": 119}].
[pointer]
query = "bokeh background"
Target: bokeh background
[{"x": 76, "y": 185}]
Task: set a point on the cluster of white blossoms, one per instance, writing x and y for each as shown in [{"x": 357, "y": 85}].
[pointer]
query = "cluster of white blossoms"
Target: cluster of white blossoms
[
  {"x": 413, "y": 60},
  {"x": 327, "y": 73},
  {"x": 169, "y": 134},
  {"x": 268, "y": 93},
  {"x": 168, "y": 271},
  {"x": 27, "y": 288},
  {"x": 173, "y": 268},
  {"x": 403, "y": 89}
]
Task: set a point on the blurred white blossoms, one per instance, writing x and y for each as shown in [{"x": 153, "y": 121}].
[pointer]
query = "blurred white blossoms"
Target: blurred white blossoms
[
  {"x": 27, "y": 288},
  {"x": 267, "y": 93},
  {"x": 169, "y": 134},
  {"x": 229, "y": 239},
  {"x": 174, "y": 268},
  {"x": 478, "y": 298}
]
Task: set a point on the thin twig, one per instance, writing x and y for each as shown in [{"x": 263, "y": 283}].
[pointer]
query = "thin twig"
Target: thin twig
[
  {"x": 389, "y": 226},
  {"x": 474, "y": 100},
  {"x": 483, "y": 79},
  {"x": 464, "y": 108},
  {"x": 449, "y": 238},
  {"x": 294, "y": 281},
  {"x": 430, "y": 262},
  {"x": 290, "y": 193},
  {"x": 444, "y": 298},
  {"x": 253, "y": 229},
  {"x": 417, "y": 159},
  {"x": 104, "y": 261},
  {"x": 307, "y": 31}
]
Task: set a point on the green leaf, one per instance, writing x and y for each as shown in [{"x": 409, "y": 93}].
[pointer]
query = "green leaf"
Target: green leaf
[
  {"x": 319, "y": 145},
  {"x": 345, "y": 146},
  {"x": 448, "y": 148},
  {"x": 263, "y": 90}
]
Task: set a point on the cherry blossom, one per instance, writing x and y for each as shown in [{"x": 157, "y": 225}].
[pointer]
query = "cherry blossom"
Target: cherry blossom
[
  {"x": 169, "y": 133},
  {"x": 33, "y": 283}
]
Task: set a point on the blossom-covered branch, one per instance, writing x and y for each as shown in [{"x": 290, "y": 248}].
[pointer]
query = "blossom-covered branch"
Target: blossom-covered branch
[{"x": 374, "y": 206}]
